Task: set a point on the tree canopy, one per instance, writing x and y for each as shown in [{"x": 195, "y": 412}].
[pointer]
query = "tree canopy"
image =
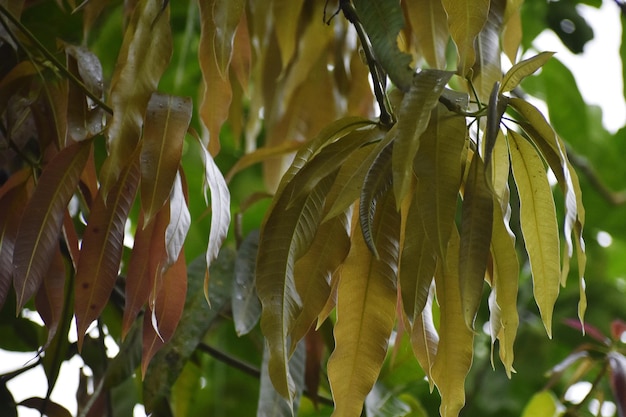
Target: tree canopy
[{"x": 308, "y": 208}]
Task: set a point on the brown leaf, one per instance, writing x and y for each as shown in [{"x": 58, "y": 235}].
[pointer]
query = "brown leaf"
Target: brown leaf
[
  {"x": 13, "y": 198},
  {"x": 37, "y": 237},
  {"x": 145, "y": 265},
  {"x": 166, "y": 122},
  {"x": 166, "y": 313},
  {"x": 50, "y": 298},
  {"x": 101, "y": 251}
]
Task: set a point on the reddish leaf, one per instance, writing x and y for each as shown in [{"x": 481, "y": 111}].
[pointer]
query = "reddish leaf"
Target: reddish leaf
[
  {"x": 314, "y": 350},
  {"x": 166, "y": 122},
  {"x": 46, "y": 407},
  {"x": 101, "y": 251},
  {"x": 618, "y": 327},
  {"x": 161, "y": 322},
  {"x": 617, "y": 363},
  {"x": 38, "y": 233},
  {"x": 50, "y": 298},
  {"x": 13, "y": 198},
  {"x": 145, "y": 265},
  {"x": 587, "y": 328},
  {"x": 71, "y": 238}
]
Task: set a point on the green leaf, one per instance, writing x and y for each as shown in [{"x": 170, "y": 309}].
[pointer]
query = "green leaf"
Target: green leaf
[
  {"x": 543, "y": 404},
  {"x": 382, "y": 402},
  {"x": 476, "y": 226},
  {"x": 438, "y": 170},
  {"x": 383, "y": 24},
  {"x": 38, "y": 233},
  {"x": 538, "y": 222},
  {"x": 287, "y": 233},
  {"x": 523, "y": 69},
  {"x": 413, "y": 117},
  {"x": 245, "y": 302},
  {"x": 366, "y": 311},
  {"x": 466, "y": 18},
  {"x": 455, "y": 349}
]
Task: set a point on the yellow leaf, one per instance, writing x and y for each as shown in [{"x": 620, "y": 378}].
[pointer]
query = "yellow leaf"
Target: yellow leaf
[
  {"x": 476, "y": 226},
  {"x": 522, "y": 70},
  {"x": 430, "y": 26},
  {"x": 366, "y": 311},
  {"x": 538, "y": 223},
  {"x": 145, "y": 53},
  {"x": 166, "y": 122},
  {"x": 424, "y": 337},
  {"x": 505, "y": 284},
  {"x": 455, "y": 349},
  {"x": 486, "y": 70},
  {"x": 512, "y": 35},
  {"x": 286, "y": 14},
  {"x": 543, "y": 404},
  {"x": 465, "y": 19},
  {"x": 438, "y": 170}
]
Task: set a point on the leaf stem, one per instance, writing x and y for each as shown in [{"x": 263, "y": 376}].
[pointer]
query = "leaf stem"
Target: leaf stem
[{"x": 51, "y": 58}]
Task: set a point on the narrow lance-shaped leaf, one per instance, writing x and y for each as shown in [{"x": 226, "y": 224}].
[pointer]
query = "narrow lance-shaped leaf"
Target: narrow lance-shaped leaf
[
  {"x": 465, "y": 20},
  {"x": 287, "y": 233},
  {"x": 166, "y": 122},
  {"x": 417, "y": 264},
  {"x": 497, "y": 106},
  {"x": 424, "y": 337},
  {"x": 438, "y": 170},
  {"x": 366, "y": 311},
  {"x": 377, "y": 181},
  {"x": 38, "y": 233},
  {"x": 383, "y": 24},
  {"x": 167, "y": 311},
  {"x": 538, "y": 222},
  {"x": 476, "y": 225},
  {"x": 13, "y": 198},
  {"x": 245, "y": 302},
  {"x": 145, "y": 53},
  {"x": 101, "y": 252},
  {"x": 286, "y": 14},
  {"x": 486, "y": 69},
  {"x": 313, "y": 272},
  {"x": 220, "y": 206},
  {"x": 180, "y": 220},
  {"x": 455, "y": 349},
  {"x": 523, "y": 69},
  {"x": 413, "y": 118},
  {"x": 50, "y": 298},
  {"x": 430, "y": 27}
]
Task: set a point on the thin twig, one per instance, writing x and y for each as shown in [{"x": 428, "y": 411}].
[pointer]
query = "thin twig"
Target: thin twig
[{"x": 52, "y": 58}]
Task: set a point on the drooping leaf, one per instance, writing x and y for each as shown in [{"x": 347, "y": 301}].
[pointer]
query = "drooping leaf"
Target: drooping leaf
[
  {"x": 438, "y": 170},
  {"x": 413, "y": 118},
  {"x": 314, "y": 270},
  {"x": 50, "y": 297},
  {"x": 166, "y": 121},
  {"x": 226, "y": 17},
  {"x": 383, "y": 24},
  {"x": 430, "y": 26},
  {"x": 271, "y": 403},
  {"x": 145, "y": 266},
  {"x": 512, "y": 32},
  {"x": 286, "y": 14},
  {"x": 13, "y": 198},
  {"x": 455, "y": 348},
  {"x": 166, "y": 311},
  {"x": 476, "y": 226},
  {"x": 538, "y": 222},
  {"x": 287, "y": 233},
  {"x": 505, "y": 273},
  {"x": 168, "y": 363},
  {"x": 366, "y": 311},
  {"x": 523, "y": 69},
  {"x": 417, "y": 265},
  {"x": 377, "y": 181},
  {"x": 144, "y": 55},
  {"x": 102, "y": 246},
  {"x": 180, "y": 220},
  {"x": 486, "y": 69},
  {"x": 245, "y": 302},
  {"x": 37, "y": 236},
  {"x": 497, "y": 106},
  {"x": 465, "y": 19},
  {"x": 220, "y": 205},
  {"x": 424, "y": 337}
]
